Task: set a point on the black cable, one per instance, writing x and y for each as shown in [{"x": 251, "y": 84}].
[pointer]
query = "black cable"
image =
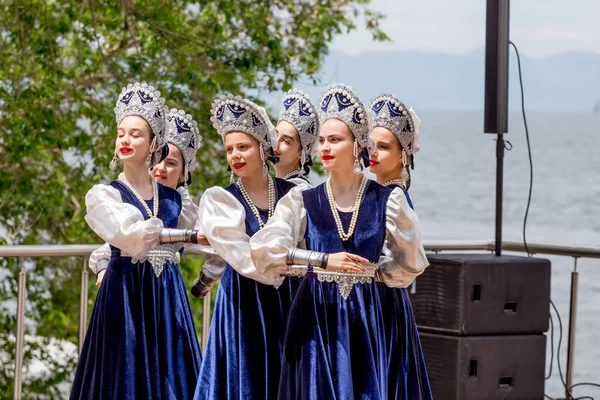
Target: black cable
[
  {"x": 570, "y": 398},
  {"x": 528, "y": 149},
  {"x": 568, "y": 390},
  {"x": 551, "y": 347},
  {"x": 586, "y": 384}
]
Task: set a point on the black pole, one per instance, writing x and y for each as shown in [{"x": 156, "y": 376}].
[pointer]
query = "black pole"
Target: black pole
[
  {"x": 496, "y": 93},
  {"x": 499, "y": 186}
]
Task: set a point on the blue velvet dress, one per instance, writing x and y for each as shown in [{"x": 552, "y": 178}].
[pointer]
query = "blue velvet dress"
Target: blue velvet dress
[
  {"x": 141, "y": 342},
  {"x": 407, "y": 374},
  {"x": 243, "y": 353},
  {"x": 335, "y": 348}
]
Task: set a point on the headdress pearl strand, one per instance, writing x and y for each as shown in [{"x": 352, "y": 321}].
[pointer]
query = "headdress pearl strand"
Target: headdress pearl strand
[{"x": 336, "y": 216}]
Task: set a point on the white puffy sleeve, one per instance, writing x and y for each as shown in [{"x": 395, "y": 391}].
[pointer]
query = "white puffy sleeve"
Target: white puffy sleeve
[
  {"x": 284, "y": 231},
  {"x": 120, "y": 224},
  {"x": 214, "y": 265},
  {"x": 223, "y": 220},
  {"x": 100, "y": 258},
  {"x": 189, "y": 211},
  {"x": 301, "y": 183},
  {"x": 404, "y": 255}
]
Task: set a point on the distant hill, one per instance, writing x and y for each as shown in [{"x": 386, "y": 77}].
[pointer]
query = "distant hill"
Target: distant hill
[{"x": 566, "y": 82}]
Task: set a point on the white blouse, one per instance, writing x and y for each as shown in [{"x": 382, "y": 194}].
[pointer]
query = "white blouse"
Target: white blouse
[
  {"x": 189, "y": 211},
  {"x": 222, "y": 218},
  {"x": 120, "y": 224},
  {"x": 100, "y": 257}
]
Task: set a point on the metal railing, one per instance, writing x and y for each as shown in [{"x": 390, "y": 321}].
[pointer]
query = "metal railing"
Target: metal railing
[{"x": 32, "y": 251}]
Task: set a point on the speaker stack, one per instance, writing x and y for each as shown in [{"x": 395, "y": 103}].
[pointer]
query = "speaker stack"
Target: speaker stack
[{"x": 481, "y": 320}]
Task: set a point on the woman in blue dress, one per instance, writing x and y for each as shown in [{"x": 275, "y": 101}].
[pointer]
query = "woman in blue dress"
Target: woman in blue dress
[
  {"x": 243, "y": 353},
  {"x": 396, "y": 140},
  {"x": 335, "y": 339},
  {"x": 141, "y": 342},
  {"x": 297, "y": 132},
  {"x": 174, "y": 171}
]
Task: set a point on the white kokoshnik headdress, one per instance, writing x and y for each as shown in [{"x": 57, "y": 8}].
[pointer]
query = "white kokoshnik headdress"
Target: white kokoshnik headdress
[
  {"x": 143, "y": 100},
  {"x": 182, "y": 131},
  {"x": 297, "y": 109}
]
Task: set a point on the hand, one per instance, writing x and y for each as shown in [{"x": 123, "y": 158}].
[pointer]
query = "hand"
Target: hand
[
  {"x": 201, "y": 239},
  {"x": 346, "y": 262},
  {"x": 100, "y": 277},
  {"x": 202, "y": 286}
]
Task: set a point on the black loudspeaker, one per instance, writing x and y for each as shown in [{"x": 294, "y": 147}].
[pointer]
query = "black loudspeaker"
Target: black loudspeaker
[
  {"x": 485, "y": 367},
  {"x": 496, "y": 66},
  {"x": 482, "y": 294}
]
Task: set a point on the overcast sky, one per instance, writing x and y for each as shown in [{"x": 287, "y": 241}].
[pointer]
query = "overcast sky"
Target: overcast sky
[{"x": 539, "y": 27}]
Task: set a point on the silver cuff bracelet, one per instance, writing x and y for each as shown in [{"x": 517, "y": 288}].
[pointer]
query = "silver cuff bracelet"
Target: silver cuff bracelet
[
  {"x": 169, "y": 235},
  {"x": 306, "y": 257}
]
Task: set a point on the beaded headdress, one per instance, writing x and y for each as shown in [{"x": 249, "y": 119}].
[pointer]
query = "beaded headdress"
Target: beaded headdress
[
  {"x": 401, "y": 120},
  {"x": 297, "y": 109},
  {"x": 340, "y": 102},
  {"x": 233, "y": 113},
  {"x": 182, "y": 131},
  {"x": 144, "y": 101}
]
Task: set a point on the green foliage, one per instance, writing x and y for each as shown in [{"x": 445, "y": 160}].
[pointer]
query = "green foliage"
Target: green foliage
[{"x": 62, "y": 64}]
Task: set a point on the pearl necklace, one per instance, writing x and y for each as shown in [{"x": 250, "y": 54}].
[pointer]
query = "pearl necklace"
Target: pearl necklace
[
  {"x": 397, "y": 181},
  {"x": 292, "y": 174},
  {"x": 140, "y": 198},
  {"x": 336, "y": 216},
  {"x": 253, "y": 207}
]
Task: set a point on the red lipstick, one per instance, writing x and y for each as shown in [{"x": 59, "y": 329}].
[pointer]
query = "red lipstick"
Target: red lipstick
[
  {"x": 125, "y": 150},
  {"x": 239, "y": 165},
  {"x": 372, "y": 163},
  {"x": 327, "y": 157}
]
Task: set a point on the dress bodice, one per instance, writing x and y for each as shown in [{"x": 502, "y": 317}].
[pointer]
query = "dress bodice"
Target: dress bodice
[
  {"x": 281, "y": 188},
  {"x": 369, "y": 235}
]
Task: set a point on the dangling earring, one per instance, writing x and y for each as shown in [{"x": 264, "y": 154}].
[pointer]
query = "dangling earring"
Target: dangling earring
[
  {"x": 302, "y": 158},
  {"x": 153, "y": 147},
  {"x": 231, "y": 177},
  {"x": 357, "y": 167},
  {"x": 262, "y": 157},
  {"x": 404, "y": 176},
  {"x": 262, "y": 153},
  {"x": 114, "y": 161}
]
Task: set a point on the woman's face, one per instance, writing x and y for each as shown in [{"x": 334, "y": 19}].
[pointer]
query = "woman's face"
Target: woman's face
[
  {"x": 169, "y": 171},
  {"x": 336, "y": 146},
  {"x": 243, "y": 154},
  {"x": 134, "y": 138},
  {"x": 289, "y": 148},
  {"x": 387, "y": 156}
]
